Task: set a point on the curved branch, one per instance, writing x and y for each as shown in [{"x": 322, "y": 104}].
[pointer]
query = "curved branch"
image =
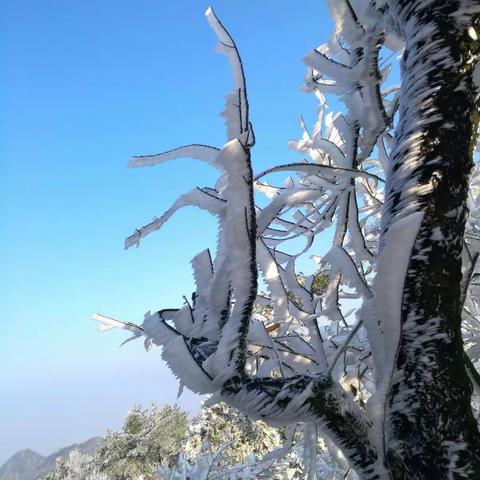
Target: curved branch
[
  {"x": 313, "y": 169},
  {"x": 196, "y": 151}
]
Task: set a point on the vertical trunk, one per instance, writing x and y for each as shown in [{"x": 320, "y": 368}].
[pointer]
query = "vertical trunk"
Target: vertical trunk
[{"x": 430, "y": 432}]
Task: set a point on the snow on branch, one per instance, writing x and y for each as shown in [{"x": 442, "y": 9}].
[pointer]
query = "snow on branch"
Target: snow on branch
[
  {"x": 205, "y": 199},
  {"x": 313, "y": 169},
  {"x": 204, "y": 153},
  {"x": 236, "y": 110}
]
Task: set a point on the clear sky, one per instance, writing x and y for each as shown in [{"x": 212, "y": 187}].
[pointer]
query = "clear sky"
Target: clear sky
[{"x": 83, "y": 86}]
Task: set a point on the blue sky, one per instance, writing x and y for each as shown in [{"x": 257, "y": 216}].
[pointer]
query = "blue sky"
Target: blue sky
[{"x": 85, "y": 85}]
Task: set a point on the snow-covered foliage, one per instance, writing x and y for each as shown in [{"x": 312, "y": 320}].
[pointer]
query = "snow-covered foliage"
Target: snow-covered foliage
[
  {"x": 330, "y": 344},
  {"x": 221, "y": 443},
  {"x": 77, "y": 466},
  {"x": 224, "y": 444},
  {"x": 147, "y": 439},
  {"x": 237, "y": 434},
  {"x": 210, "y": 465}
]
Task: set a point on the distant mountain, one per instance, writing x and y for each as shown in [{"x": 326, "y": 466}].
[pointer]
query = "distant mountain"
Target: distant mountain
[
  {"x": 22, "y": 466},
  {"x": 29, "y": 465}
]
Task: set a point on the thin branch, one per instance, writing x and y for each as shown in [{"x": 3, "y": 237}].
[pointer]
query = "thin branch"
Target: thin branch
[
  {"x": 318, "y": 169},
  {"x": 344, "y": 346}
]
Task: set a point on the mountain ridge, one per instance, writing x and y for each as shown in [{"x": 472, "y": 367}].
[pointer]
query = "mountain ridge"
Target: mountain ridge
[{"x": 29, "y": 465}]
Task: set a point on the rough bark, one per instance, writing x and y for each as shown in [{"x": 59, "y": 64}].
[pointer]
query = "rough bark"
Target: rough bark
[{"x": 430, "y": 431}]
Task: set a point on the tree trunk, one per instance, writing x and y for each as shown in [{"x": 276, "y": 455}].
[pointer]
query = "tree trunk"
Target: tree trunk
[{"x": 429, "y": 428}]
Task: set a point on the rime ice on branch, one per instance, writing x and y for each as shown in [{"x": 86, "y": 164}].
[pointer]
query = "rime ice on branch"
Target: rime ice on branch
[{"x": 369, "y": 344}]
